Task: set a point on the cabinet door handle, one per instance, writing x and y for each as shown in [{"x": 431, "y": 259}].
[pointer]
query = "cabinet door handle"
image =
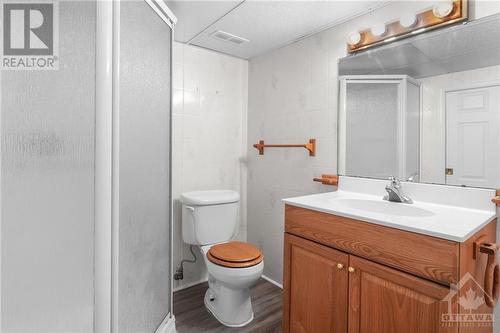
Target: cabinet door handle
[
  {"x": 351, "y": 269},
  {"x": 340, "y": 266}
]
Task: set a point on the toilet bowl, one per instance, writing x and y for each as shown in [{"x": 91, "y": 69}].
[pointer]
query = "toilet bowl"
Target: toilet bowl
[
  {"x": 209, "y": 220},
  {"x": 228, "y": 295}
]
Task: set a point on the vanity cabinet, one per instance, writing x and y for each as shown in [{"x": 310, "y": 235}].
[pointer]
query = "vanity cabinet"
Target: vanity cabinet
[
  {"x": 317, "y": 299},
  {"x": 385, "y": 300},
  {"x": 345, "y": 275}
]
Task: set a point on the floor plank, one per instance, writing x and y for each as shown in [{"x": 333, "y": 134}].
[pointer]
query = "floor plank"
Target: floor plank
[{"x": 191, "y": 316}]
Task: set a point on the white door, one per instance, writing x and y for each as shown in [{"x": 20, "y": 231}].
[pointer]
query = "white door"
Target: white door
[{"x": 472, "y": 137}]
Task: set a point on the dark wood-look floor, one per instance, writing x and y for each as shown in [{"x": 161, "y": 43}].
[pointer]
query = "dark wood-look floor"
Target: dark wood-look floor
[{"x": 191, "y": 316}]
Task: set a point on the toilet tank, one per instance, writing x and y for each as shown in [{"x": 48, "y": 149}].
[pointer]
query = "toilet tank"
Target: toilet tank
[{"x": 209, "y": 217}]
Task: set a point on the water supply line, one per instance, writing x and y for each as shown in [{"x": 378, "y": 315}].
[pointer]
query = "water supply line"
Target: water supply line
[{"x": 179, "y": 273}]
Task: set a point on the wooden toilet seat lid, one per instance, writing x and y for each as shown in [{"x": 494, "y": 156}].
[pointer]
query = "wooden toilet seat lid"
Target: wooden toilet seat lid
[{"x": 235, "y": 254}]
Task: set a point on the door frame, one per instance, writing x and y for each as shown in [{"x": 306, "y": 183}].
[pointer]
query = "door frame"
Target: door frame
[
  {"x": 106, "y": 220},
  {"x": 443, "y": 116}
]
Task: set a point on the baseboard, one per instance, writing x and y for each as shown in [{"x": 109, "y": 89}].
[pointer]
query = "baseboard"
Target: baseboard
[
  {"x": 190, "y": 284},
  {"x": 194, "y": 283},
  {"x": 272, "y": 281},
  {"x": 167, "y": 325}
]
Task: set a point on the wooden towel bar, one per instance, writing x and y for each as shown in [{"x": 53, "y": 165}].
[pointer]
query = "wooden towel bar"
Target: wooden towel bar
[{"x": 311, "y": 146}]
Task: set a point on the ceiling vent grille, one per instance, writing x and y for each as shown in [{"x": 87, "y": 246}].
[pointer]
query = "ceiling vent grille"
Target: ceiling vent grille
[{"x": 229, "y": 38}]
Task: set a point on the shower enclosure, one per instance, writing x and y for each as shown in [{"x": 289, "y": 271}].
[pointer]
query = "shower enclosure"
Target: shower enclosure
[
  {"x": 379, "y": 126},
  {"x": 85, "y": 204}
]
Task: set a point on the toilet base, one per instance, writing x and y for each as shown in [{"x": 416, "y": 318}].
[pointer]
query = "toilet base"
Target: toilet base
[{"x": 232, "y": 308}]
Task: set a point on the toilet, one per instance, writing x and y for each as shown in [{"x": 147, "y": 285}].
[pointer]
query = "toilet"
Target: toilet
[{"x": 209, "y": 220}]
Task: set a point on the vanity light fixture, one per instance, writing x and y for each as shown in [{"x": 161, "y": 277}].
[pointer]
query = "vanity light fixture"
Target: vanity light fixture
[
  {"x": 354, "y": 38},
  {"x": 442, "y": 8},
  {"x": 378, "y": 29},
  {"x": 414, "y": 32},
  {"x": 442, "y": 13},
  {"x": 408, "y": 20}
]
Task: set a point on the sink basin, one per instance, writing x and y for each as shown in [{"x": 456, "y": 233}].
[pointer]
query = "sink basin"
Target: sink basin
[
  {"x": 448, "y": 212},
  {"x": 385, "y": 207}
]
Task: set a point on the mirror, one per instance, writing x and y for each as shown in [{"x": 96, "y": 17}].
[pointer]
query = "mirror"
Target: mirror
[{"x": 425, "y": 109}]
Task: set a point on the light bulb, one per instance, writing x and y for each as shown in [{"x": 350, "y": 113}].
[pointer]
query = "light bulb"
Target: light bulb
[
  {"x": 408, "y": 20},
  {"x": 443, "y": 8},
  {"x": 378, "y": 29},
  {"x": 354, "y": 38}
]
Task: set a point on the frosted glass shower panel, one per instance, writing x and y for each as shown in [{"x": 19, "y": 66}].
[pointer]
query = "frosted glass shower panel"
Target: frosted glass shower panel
[
  {"x": 47, "y": 185},
  {"x": 412, "y": 132},
  {"x": 379, "y": 126},
  {"x": 372, "y": 129},
  {"x": 144, "y": 163}
]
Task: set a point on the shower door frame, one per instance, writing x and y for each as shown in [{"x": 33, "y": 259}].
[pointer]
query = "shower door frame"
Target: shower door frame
[{"x": 106, "y": 161}]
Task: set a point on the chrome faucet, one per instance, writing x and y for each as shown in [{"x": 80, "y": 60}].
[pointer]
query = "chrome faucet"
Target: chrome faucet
[
  {"x": 412, "y": 177},
  {"x": 395, "y": 193}
]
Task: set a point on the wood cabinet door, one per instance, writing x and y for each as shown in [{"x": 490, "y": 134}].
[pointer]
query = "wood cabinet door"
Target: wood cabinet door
[
  {"x": 315, "y": 287},
  {"x": 384, "y": 300}
]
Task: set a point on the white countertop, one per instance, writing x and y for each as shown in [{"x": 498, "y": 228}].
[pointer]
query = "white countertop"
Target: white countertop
[{"x": 452, "y": 222}]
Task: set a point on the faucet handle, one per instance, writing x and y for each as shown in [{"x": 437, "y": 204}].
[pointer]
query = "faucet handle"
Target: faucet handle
[
  {"x": 394, "y": 180},
  {"x": 412, "y": 177}
]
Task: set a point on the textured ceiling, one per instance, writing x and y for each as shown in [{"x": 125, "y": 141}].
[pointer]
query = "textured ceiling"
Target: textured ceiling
[
  {"x": 266, "y": 24},
  {"x": 194, "y": 16}
]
